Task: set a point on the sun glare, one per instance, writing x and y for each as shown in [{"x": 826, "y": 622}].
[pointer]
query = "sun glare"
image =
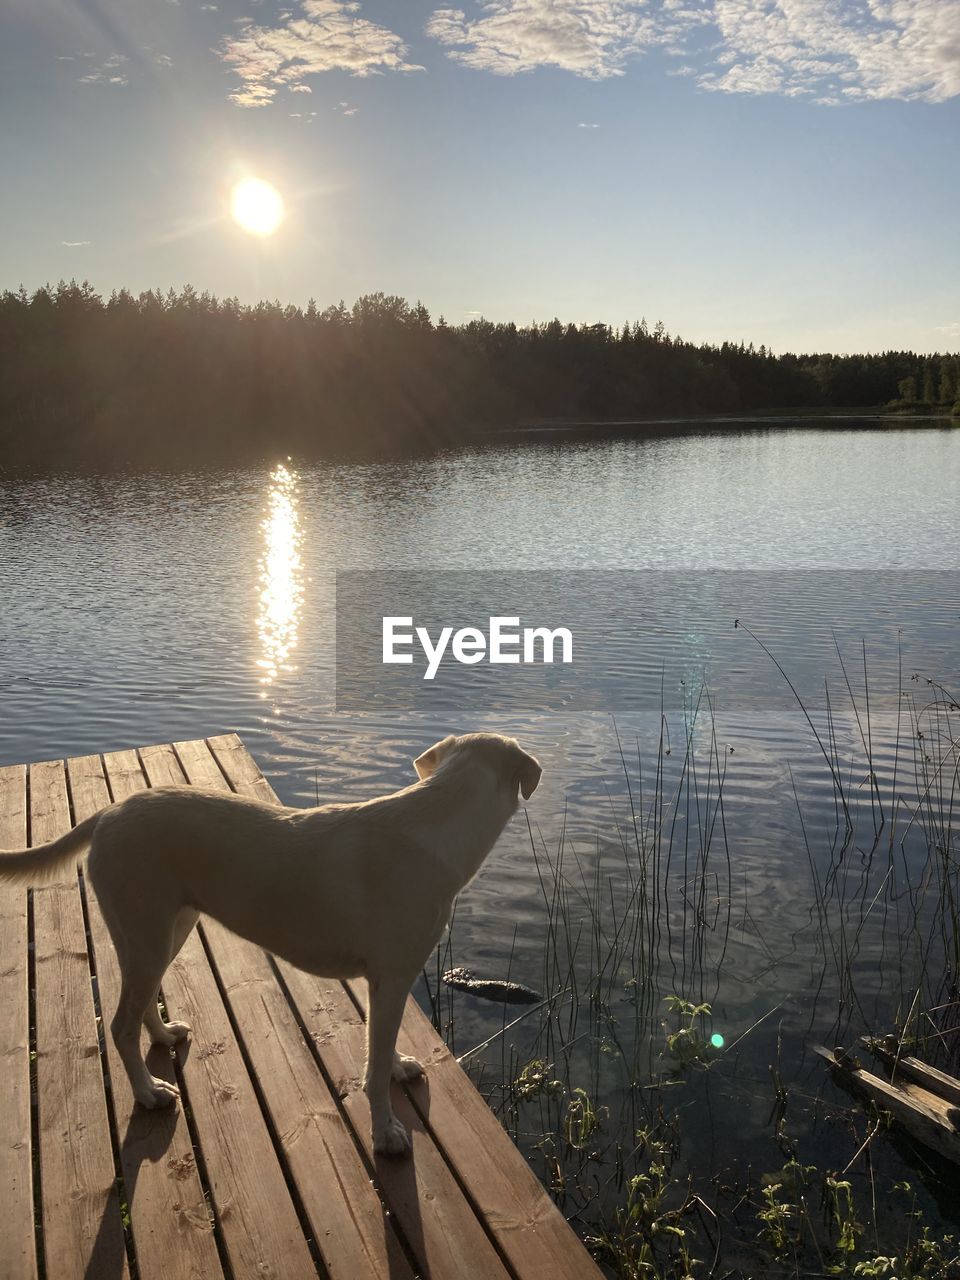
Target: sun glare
[
  {"x": 256, "y": 206},
  {"x": 281, "y": 576}
]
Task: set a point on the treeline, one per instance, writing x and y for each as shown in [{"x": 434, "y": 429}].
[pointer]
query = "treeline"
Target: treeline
[{"x": 188, "y": 375}]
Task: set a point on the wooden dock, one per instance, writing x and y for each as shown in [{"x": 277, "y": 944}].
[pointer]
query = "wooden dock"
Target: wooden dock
[{"x": 267, "y": 1169}]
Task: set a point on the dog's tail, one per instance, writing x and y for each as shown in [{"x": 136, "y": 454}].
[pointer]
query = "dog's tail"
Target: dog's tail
[{"x": 33, "y": 866}]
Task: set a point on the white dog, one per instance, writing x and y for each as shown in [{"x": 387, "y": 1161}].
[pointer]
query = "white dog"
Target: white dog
[{"x": 342, "y": 891}]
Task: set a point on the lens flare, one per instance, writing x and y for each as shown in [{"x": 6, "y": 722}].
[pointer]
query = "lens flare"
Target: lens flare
[
  {"x": 716, "y": 1040},
  {"x": 281, "y": 576}
]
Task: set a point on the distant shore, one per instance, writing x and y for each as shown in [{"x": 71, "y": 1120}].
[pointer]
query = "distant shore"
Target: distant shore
[
  {"x": 160, "y": 377},
  {"x": 874, "y": 417}
]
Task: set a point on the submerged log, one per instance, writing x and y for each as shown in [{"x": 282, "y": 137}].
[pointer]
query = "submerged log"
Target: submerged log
[{"x": 491, "y": 988}]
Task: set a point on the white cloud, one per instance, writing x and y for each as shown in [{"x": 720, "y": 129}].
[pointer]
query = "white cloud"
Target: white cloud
[
  {"x": 300, "y": 88},
  {"x": 856, "y": 50},
  {"x": 108, "y": 72},
  {"x": 584, "y": 125},
  {"x": 327, "y": 36},
  {"x": 833, "y": 50},
  {"x": 591, "y": 38},
  {"x": 75, "y": 244}
]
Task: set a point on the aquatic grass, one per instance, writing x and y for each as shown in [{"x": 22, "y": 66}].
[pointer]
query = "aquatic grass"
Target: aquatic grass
[{"x": 600, "y": 1082}]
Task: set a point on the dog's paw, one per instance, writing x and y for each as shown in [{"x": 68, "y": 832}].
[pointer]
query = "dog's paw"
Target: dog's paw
[
  {"x": 154, "y": 1093},
  {"x": 392, "y": 1139},
  {"x": 405, "y": 1068},
  {"x": 171, "y": 1033}
]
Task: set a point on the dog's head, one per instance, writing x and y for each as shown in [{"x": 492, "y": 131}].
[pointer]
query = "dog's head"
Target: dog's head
[{"x": 505, "y": 755}]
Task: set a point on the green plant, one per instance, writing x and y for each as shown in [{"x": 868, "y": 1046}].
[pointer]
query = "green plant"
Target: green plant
[
  {"x": 838, "y": 1201},
  {"x": 878, "y": 1266},
  {"x": 687, "y": 1044},
  {"x": 535, "y": 1078},
  {"x": 776, "y": 1216},
  {"x": 581, "y": 1121},
  {"x": 647, "y": 1238}
]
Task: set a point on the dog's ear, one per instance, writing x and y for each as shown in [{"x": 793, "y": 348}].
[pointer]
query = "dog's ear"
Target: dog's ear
[
  {"x": 431, "y": 760},
  {"x": 529, "y": 774}
]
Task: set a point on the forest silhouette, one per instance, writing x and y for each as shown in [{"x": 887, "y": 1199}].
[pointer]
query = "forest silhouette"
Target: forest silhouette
[{"x": 186, "y": 376}]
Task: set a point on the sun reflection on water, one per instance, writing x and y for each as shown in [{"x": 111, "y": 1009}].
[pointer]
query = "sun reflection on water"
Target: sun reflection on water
[{"x": 281, "y": 576}]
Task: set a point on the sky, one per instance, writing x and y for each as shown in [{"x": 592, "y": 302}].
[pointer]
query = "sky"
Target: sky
[{"x": 776, "y": 171}]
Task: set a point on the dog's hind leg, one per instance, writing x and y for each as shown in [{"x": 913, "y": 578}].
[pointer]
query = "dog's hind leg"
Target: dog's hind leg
[
  {"x": 384, "y": 1013},
  {"x": 141, "y": 966},
  {"x": 161, "y": 1032},
  {"x": 140, "y": 916}
]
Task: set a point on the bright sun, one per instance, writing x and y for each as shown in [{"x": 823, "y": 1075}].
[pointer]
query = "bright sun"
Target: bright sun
[{"x": 256, "y": 206}]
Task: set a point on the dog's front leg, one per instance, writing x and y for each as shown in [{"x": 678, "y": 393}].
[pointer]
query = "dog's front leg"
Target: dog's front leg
[
  {"x": 404, "y": 1067},
  {"x": 384, "y": 1014}
]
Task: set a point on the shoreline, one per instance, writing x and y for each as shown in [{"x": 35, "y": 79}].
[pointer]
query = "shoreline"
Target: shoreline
[{"x": 868, "y": 417}]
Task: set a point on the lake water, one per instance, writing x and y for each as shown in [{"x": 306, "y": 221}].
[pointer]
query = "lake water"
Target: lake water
[{"x": 146, "y": 607}]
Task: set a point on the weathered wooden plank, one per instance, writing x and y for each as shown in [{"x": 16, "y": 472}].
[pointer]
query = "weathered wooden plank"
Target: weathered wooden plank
[
  {"x": 352, "y": 1229},
  {"x": 437, "y": 1220},
  {"x": 353, "y": 1233},
  {"x": 529, "y": 1228},
  {"x": 169, "y": 1217},
  {"x": 938, "y": 1082},
  {"x": 18, "y": 1256},
  {"x": 940, "y": 1107},
  {"x": 241, "y": 769},
  {"x": 126, "y": 774},
  {"x": 910, "y": 1068},
  {"x": 922, "y": 1114},
  {"x": 261, "y": 1232},
  {"x": 82, "y": 1230},
  {"x": 260, "y": 1228}
]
